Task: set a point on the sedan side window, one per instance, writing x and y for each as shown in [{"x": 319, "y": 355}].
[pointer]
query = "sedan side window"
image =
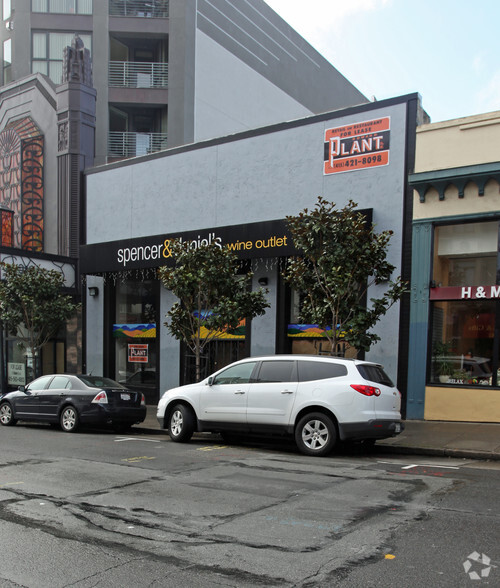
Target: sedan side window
[
  {"x": 39, "y": 383},
  {"x": 60, "y": 382},
  {"x": 237, "y": 374},
  {"x": 277, "y": 371}
]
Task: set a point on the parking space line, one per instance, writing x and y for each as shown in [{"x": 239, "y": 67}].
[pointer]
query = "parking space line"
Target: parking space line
[
  {"x": 426, "y": 465},
  {"x": 120, "y": 439}
]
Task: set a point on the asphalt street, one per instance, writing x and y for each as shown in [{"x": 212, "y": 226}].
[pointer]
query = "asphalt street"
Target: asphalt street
[{"x": 99, "y": 509}]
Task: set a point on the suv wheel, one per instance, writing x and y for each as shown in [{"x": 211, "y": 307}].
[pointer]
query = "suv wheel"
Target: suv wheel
[
  {"x": 315, "y": 434},
  {"x": 181, "y": 424}
]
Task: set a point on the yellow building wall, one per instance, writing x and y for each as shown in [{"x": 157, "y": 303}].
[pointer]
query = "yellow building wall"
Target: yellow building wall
[
  {"x": 473, "y": 140},
  {"x": 476, "y": 405},
  {"x": 459, "y": 142}
]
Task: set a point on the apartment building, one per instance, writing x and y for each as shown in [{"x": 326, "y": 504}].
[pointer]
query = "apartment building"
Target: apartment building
[{"x": 173, "y": 72}]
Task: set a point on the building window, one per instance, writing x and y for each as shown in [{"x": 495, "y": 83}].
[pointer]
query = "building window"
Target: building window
[
  {"x": 7, "y": 61},
  {"x": 48, "y": 51},
  {"x": 62, "y": 6},
  {"x": 7, "y": 9},
  {"x": 465, "y": 302}
]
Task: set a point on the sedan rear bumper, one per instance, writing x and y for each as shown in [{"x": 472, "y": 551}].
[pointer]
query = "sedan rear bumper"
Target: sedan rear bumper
[
  {"x": 101, "y": 414},
  {"x": 374, "y": 429}
]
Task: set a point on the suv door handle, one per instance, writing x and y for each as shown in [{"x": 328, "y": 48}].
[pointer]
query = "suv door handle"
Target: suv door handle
[
  {"x": 287, "y": 391},
  {"x": 240, "y": 392}
]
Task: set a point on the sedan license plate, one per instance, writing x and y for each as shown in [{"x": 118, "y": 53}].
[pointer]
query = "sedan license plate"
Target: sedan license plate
[{"x": 125, "y": 396}]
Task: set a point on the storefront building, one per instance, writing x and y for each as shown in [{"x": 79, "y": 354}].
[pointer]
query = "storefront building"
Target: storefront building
[
  {"x": 236, "y": 191},
  {"x": 455, "y": 298}
]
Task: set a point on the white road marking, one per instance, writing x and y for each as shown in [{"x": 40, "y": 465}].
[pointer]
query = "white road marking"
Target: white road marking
[
  {"x": 427, "y": 465},
  {"x": 120, "y": 439},
  {"x": 419, "y": 465}
]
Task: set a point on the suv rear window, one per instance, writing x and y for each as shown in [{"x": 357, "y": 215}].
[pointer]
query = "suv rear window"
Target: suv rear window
[
  {"x": 320, "y": 370},
  {"x": 374, "y": 373}
]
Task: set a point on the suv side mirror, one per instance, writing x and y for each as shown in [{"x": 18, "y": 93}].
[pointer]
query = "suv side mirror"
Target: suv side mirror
[{"x": 22, "y": 389}]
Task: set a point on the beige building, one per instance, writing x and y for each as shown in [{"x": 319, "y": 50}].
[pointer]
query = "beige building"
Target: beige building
[{"x": 455, "y": 291}]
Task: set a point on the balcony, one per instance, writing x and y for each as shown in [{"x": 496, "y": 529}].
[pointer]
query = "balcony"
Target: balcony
[
  {"x": 137, "y": 74},
  {"x": 126, "y": 144},
  {"x": 139, "y": 8}
]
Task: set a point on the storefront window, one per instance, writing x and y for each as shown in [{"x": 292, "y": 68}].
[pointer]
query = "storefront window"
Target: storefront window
[
  {"x": 134, "y": 334},
  {"x": 307, "y": 339},
  {"x": 466, "y": 255},
  {"x": 464, "y": 304},
  {"x": 463, "y": 334}
]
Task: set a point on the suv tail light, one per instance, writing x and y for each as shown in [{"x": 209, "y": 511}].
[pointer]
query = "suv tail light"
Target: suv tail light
[
  {"x": 143, "y": 400},
  {"x": 366, "y": 390},
  {"x": 101, "y": 398}
]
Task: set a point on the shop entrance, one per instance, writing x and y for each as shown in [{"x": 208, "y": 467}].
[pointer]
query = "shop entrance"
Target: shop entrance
[{"x": 134, "y": 337}]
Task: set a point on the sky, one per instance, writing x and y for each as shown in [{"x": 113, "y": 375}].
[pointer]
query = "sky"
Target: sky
[{"x": 446, "y": 50}]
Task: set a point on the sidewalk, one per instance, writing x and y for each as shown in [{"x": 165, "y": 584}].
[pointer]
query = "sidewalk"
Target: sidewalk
[{"x": 465, "y": 440}]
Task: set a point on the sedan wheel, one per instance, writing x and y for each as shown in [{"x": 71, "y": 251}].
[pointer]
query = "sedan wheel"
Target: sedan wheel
[
  {"x": 181, "y": 424},
  {"x": 315, "y": 434},
  {"x": 69, "y": 419},
  {"x": 6, "y": 415}
]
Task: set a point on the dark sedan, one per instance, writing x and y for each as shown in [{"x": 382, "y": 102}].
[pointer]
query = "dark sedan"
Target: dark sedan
[{"x": 73, "y": 400}]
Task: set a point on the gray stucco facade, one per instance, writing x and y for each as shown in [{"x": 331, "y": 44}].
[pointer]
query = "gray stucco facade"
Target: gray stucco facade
[{"x": 251, "y": 177}]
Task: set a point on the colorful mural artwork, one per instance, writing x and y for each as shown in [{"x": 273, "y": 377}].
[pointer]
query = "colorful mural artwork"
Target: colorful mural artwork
[
  {"x": 238, "y": 333},
  {"x": 135, "y": 331},
  {"x": 21, "y": 181},
  {"x": 311, "y": 331}
]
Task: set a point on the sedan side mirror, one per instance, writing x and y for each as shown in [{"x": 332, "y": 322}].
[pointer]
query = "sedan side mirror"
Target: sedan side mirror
[
  {"x": 210, "y": 380},
  {"x": 22, "y": 389}
]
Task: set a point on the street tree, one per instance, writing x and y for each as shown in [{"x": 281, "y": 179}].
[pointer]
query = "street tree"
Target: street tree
[
  {"x": 33, "y": 306},
  {"x": 340, "y": 258},
  {"x": 212, "y": 297}
]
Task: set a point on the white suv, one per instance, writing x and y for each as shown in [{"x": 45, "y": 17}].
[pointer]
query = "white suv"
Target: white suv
[{"x": 316, "y": 399}]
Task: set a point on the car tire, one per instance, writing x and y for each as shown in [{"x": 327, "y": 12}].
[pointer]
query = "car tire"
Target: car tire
[
  {"x": 7, "y": 415},
  {"x": 69, "y": 419},
  {"x": 315, "y": 434},
  {"x": 181, "y": 424}
]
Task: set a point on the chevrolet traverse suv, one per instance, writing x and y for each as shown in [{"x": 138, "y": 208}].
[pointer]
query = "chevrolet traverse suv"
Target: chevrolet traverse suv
[{"x": 316, "y": 399}]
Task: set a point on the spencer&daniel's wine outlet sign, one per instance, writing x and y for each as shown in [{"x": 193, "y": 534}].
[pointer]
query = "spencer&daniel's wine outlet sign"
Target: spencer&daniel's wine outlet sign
[{"x": 262, "y": 239}]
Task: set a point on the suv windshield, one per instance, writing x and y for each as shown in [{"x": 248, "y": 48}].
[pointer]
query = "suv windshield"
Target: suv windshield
[
  {"x": 99, "y": 382},
  {"x": 374, "y": 373}
]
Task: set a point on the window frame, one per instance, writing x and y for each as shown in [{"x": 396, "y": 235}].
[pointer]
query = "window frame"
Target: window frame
[
  {"x": 433, "y": 301},
  {"x": 48, "y": 60},
  {"x": 79, "y": 6}
]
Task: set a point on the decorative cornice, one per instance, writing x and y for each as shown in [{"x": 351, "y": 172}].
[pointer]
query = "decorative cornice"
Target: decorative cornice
[{"x": 457, "y": 176}]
